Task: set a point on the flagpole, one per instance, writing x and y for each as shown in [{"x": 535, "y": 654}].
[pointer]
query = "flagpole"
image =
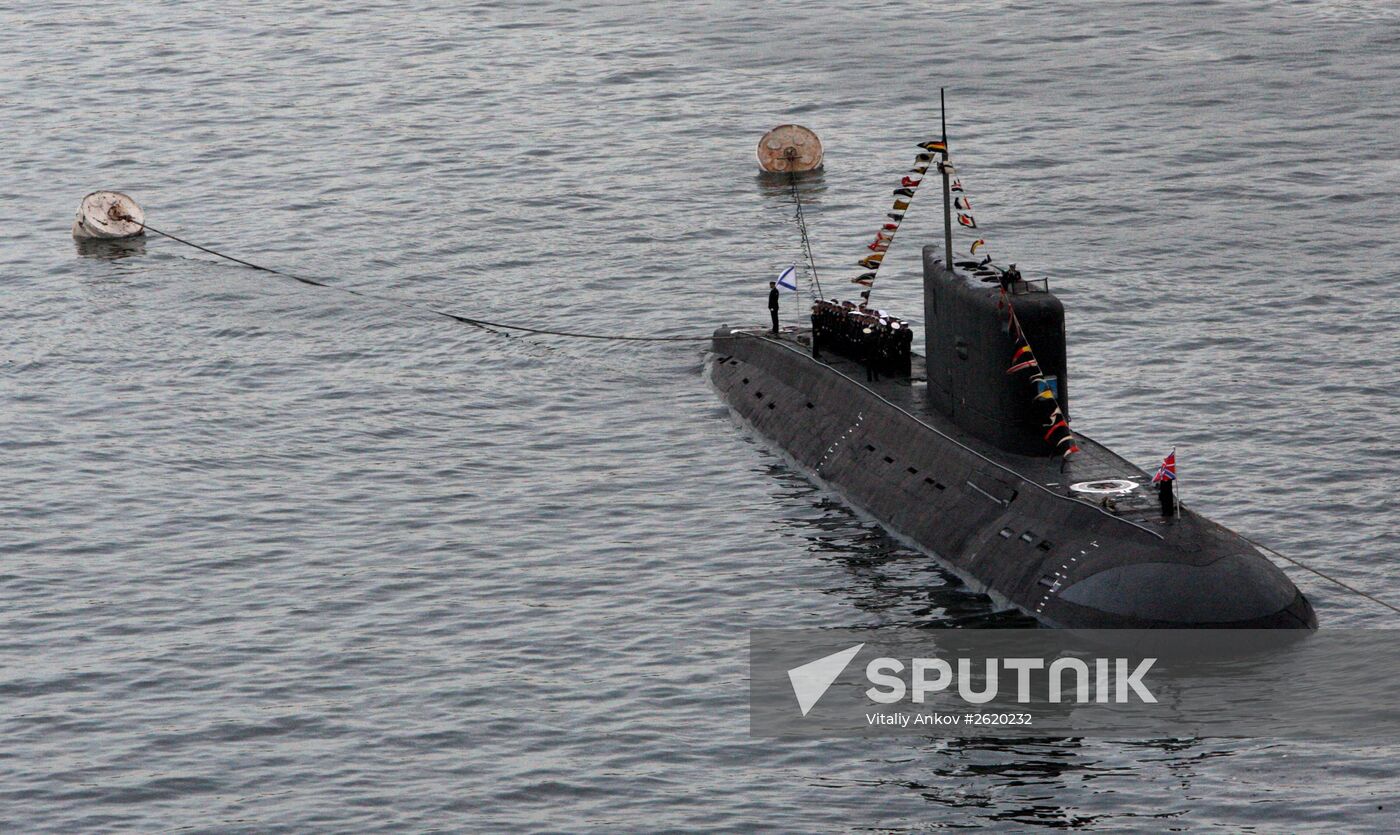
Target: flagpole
[
  {"x": 1176, "y": 484},
  {"x": 947, "y": 195}
]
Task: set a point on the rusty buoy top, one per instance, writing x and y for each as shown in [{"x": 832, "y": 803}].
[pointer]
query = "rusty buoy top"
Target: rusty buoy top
[
  {"x": 789, "y": 149},
  {"x": 108, "y": 214}
]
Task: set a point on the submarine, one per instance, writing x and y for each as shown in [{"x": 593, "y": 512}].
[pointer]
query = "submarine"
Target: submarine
[{"x": 948, "y": 450}]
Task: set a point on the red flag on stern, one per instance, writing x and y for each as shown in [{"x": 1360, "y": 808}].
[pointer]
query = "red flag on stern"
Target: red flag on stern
[{"x": 1166, "y": 472}]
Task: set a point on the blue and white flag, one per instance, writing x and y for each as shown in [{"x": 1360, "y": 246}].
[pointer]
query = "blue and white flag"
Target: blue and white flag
[{"x": 787, "y": 279}]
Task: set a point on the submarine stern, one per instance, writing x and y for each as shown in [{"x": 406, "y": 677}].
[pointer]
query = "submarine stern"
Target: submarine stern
[{"x": 1223, "y": 583}]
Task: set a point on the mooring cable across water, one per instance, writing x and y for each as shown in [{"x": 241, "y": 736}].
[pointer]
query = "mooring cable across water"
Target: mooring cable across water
[
  {"x": 806, "y": 242},
  {"x": 489, "y": 326},
  {"x": 250, "y": 264},
  {"x": 483, "y": 323},
  {"x": 1324, "y": 576}
]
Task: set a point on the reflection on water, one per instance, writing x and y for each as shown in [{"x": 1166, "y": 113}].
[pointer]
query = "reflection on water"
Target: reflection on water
[
  {"x": 109, "y": 249},
  {"x": 1044, "y": 783},
  {"x": 899, "y": 586},
  {"x": 811, "y": 185}
]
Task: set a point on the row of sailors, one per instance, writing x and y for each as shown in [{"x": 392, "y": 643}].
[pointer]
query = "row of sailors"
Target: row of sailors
[{"x": 872, "y": 337}]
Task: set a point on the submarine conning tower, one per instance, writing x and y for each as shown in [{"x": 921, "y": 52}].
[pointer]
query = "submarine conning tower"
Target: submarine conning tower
[{"x": 968, "y": 348}]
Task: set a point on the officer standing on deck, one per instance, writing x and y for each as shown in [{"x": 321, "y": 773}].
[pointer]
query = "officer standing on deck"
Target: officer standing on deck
[
  {"x": 773, "y": 304},
  {"x": 870, "y": 352},
  {"x": 906, "y": 344},
  {"x": 1166, "y": 496}
]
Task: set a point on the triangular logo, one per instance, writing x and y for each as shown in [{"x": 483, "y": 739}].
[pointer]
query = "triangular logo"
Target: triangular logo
[{"x": 810, "y": 681}]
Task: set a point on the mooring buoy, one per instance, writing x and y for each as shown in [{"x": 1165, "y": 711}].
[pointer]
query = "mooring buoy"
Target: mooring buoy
[
  {"x": 789, "y": 149},
  {"x": 109, "y": 215}
]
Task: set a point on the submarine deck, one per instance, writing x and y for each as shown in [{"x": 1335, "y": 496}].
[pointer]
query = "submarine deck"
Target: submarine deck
[{"x": 1094, "y": 462}]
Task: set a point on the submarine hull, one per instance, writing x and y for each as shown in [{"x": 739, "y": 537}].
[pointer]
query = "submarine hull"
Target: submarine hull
[{"x": 1006, "y": 523}]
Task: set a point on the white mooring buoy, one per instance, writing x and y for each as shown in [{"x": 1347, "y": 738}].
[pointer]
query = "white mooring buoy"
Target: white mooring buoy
[
  {"x": 789, "y": 149},
  {"x": 103, "y": 214}
]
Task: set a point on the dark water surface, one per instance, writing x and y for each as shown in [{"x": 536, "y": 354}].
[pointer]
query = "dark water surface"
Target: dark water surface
[{"x": 273, "y": 557}]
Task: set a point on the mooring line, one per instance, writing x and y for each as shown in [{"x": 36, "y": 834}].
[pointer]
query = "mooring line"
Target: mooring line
[
  {"x": 1324, "y": 576},
  {"x": 496, "y": 328},
  {"x": 806, "y": 242},
  {"x": 612, "y": 337},
  {"x": 250, "y": 264}
]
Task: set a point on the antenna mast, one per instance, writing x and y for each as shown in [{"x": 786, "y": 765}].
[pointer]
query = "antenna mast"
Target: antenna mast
[{"x": 944, "y": 168}]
